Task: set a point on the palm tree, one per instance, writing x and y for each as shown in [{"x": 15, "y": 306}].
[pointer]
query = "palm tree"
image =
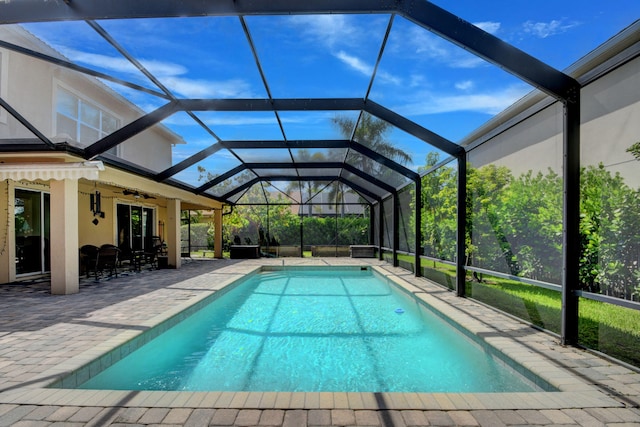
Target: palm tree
[
  {"x": 372, "y": 133},
  {"x": 307, "y": 189}
]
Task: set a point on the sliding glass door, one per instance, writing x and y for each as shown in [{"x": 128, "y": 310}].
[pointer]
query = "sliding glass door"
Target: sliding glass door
[
  {"x": 31, "y": 218},
  {"x": 135, "y": 227}
]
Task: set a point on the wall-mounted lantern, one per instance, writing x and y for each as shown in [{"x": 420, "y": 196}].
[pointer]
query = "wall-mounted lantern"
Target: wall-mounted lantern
[{"x": 95, "y": 206}]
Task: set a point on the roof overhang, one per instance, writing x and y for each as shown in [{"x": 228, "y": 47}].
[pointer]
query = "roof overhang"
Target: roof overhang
[{"x": 48, "y": 171}]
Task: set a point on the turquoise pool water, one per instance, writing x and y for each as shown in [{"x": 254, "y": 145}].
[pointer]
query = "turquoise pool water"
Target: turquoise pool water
[{"x": 312, "y": 330}]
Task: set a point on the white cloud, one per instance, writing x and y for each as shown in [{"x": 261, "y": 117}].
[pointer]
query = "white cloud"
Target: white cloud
[
  {"x": 329, "y": 30},
  {"x": 240, "y": 121},
  {"x": 354, "y": 62},
  {"x": 363, "y": 68},
  {"x": 219, "y": 119},
  {"x": 162, "y": 68},
  {"x": 467, "y": 60},
  {"x": 488, "y": 26},
  {"x": 96, "y": 60},
  {"x": 428, "y": 46},
  {"x": 417, "y": 80},
  {"x": 195, "y": 88},
  {"x": 388, "y": 78},
  {"x": 483, "y": 102},
  {"x": 170, "y": 74},
  {"x": 464, "y": 85},
  {"x": 334, "y": 33},
  {"x": 145, "y": 102},
  {"x": 547, "y": 29},
  {"x": 122, "y": 65}
]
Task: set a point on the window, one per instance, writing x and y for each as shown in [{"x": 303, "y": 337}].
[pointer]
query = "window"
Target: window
[{"x": 82, "y": 120}]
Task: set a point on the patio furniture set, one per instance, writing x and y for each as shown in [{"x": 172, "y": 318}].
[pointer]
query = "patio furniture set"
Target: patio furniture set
[{"x": 105, "y": 260}]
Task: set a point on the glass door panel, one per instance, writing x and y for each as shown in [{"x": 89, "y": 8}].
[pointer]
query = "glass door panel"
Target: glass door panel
[
  {"x": 124, "y": 229},
  {"x": 147, "y": 227},
  {"x": 31, "y": 216},
  {"x": 136, "y": 228}
]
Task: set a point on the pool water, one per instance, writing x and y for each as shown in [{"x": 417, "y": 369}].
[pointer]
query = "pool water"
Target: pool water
[{"x": 312, "y": 330}]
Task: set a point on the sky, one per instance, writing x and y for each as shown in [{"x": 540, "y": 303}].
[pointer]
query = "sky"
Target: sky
[{"x": 420, "y": 75}]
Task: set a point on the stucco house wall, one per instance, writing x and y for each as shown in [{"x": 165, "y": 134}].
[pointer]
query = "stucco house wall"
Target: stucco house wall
[
  {"x": 31, "y": 86},
  {"x": 33, "y": 79},
  {"x": 610, "y": 123}
]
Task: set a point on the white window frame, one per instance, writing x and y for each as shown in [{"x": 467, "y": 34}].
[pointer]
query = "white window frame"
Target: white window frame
[{"x": 81, "y": 99}]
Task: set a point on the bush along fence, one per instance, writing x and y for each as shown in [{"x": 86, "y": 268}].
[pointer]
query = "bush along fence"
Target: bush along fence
[{"x": 514, "y": 225}]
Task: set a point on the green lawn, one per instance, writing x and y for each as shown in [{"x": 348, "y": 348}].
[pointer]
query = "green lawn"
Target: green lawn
[
  {"x": 208, "y": 253},
  {"x": 604, "y": 327}
]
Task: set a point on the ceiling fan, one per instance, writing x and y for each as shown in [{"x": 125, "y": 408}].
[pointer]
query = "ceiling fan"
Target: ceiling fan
[{"x": 137, "y": 194}]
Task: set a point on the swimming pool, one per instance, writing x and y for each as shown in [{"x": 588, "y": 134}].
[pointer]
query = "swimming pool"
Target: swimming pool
[{"x": 312, "y": 330}]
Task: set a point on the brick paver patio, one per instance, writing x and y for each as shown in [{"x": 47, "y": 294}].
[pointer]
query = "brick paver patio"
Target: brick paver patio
[{"x": 45, "y": 337}]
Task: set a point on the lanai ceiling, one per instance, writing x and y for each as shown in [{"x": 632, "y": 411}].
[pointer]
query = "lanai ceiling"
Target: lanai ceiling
[{"x": 255, "y": 91}]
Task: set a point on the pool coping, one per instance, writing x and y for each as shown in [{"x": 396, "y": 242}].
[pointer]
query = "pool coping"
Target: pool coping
[{"x": 575, "y": 391}]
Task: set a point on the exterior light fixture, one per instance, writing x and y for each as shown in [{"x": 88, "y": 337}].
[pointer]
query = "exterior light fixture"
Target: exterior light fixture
[{"x": 94, "y": 200}]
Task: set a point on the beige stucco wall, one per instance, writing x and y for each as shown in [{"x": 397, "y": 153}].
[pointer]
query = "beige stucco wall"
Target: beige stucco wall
[
  {"x": 106, "y": 229},
  {"x": 610, "y": 117},
  {"x": 103, "y": 232},
  {"x": 111, "y": 183},
  {"x": 126, "y": 180},
  {"x": 611, "y": 121},
  {"x": 535, "y": 144},
  {"x": 32, "y": 85}
]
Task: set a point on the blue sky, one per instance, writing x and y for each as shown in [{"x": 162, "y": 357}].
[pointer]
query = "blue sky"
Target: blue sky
[{"x": 420, "y": 76}]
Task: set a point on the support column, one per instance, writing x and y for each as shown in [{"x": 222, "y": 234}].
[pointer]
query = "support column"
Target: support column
[
  {"x": 301, "y": 235},
  {"x": 418, "y": 226},
  {"x": 64, "y": 237},
  {"x": 217, "y": 234},
  {"x": 461, "y": 226},
  {"x": 396, "y": 226},
  {"x": 335, "y": 249},
  {"x": 372, "y": 223},
  {"x": 380, "y": 230},
  {"x": 571, "y": 219},
  {"x": 173, "y": 233},
  {"x": 8, "y": 235}
]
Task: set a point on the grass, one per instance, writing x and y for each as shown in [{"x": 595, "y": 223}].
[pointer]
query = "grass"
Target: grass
[
  {"x": 207, "y": 253},
  {"x": 604, "y": 327}
]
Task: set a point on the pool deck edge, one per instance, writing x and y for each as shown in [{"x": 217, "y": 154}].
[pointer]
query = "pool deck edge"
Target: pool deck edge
[{"x": 534, "y": 349}]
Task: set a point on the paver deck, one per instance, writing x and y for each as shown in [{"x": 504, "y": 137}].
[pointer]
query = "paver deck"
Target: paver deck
[{"x": 44, "y": 338}]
